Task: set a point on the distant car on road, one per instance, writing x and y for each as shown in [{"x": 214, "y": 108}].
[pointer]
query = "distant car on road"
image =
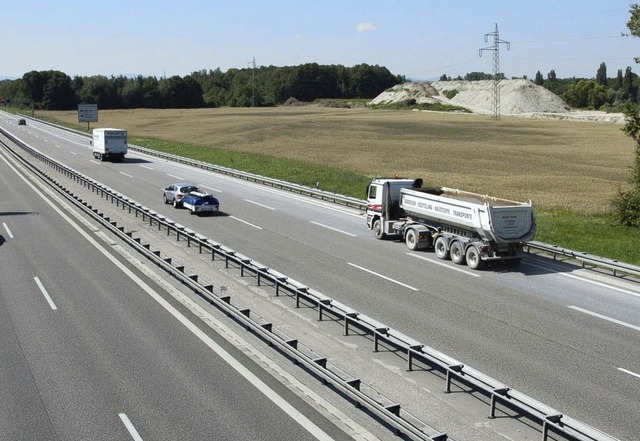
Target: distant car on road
[
  {"x": 22, "y": 122},
  {"x": 200, "y": 202},
  {"x": 174, "y": 193}
]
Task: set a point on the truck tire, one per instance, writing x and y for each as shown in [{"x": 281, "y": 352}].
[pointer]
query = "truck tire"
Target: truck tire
[
  {"x": 441, "y": 248},
  {"x": 378, "y": 232},
  {"x": 473, "y": 258},
  {"x": 411, "y": 239},
  {"x": 456, "y": 251}
]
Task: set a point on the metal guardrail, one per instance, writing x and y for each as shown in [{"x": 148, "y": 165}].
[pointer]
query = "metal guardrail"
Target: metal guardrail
[
  {"x": 551, "y": 420},
  {"x": 391, "y": 413},
  {"x": 587, "y": 260}
]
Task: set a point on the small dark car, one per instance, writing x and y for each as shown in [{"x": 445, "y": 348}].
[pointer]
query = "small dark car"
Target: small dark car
[
  {"x": 22, "y": 122},
  {"x": 200, "y": 202}
]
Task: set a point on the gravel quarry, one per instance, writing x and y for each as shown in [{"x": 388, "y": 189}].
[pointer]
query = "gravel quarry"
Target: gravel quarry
[{"x": 519, "y": 98}]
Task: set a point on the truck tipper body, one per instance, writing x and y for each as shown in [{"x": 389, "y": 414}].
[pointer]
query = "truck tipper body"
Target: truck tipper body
[
  {"x": 109, "y": 144},
  {"x": 463, "y": 226}
]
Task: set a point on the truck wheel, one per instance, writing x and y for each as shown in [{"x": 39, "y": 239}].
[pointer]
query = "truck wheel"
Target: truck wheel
[
  {"x": 442, "y": 251},
  {"x": 473, "y": 258},
  {"x": 378, "y": 232},
  {"x": 411, "y": 239},
  {"x": 457, "y": 253}
]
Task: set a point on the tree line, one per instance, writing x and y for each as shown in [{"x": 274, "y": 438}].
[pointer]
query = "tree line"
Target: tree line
[{"x": 263, "y": 86}]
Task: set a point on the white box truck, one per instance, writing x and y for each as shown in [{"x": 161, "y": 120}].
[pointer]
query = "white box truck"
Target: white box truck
[
  {"x": 109, "y": 144},
  {"x": 460, "y": 225}
]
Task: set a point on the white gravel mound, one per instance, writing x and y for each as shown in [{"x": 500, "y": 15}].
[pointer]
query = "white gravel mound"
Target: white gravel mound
[{"x": 518, "y": 97}]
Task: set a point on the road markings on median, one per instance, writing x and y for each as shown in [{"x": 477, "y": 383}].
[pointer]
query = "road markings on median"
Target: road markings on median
[
  {"x": 259, "y": 204},
  {"x": 245, "y": 222},
  {"x": 6, "y": 227},
  {"x": 629, "y": 372},
  {"x": 604, "y": 317},
  {"x": 469, "y": 273},
  {"x": 129, "y": 425},
  {"x": 383, "y": 277},
  {"x": 333, "y": 229},
  {"x": 45, "y": 293}
]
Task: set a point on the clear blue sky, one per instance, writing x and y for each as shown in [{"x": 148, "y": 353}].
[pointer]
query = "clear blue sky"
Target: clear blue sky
[{"x": 420, "y": 39}]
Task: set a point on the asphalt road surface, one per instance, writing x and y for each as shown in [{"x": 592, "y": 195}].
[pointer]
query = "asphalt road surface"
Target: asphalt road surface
[{"x": 565, "y": 336}]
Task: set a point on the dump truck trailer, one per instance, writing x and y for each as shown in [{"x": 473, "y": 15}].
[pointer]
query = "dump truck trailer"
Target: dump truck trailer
[{"x": 458, "y": 225}]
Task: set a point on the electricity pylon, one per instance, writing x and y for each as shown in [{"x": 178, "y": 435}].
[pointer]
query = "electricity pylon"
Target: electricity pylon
[{"x": 495, "y": 98}]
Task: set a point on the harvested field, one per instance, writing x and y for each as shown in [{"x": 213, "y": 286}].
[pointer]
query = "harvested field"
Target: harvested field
[{"x": 569, "y": 165}]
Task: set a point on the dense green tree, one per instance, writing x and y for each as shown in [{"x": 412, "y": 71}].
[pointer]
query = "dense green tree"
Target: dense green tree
[
  {"x": 629, "y": 88},
  {"x": 539, "y": 80},
  {"x": 58, "y": 93},
  {"x": 601, "y": 75},
  {"x": 627, "y": 203},
  {"x": 99, "y": 90},
  {"x": 551, "y": 76},
  {"x": 619, "y": 81}
]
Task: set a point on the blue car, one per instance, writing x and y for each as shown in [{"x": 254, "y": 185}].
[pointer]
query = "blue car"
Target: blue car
[{"x": 200, "y": 202}]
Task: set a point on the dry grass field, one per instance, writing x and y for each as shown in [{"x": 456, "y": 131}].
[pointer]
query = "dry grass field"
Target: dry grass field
[{"x": 577, "y": 166}]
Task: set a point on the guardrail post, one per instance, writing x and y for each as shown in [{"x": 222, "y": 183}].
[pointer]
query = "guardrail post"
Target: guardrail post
[
  {"x": 376, "y": 336},
  {"x": 410, "y": 351},
  {"x": 347, "y": 318},
  {"x": 501, "y": 391},
  {"x": 453, "y": 368},
  {"x": 553, "y": 419}
]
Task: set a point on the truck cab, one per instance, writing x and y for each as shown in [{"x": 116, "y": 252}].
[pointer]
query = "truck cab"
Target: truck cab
[{"x": 383, "y": 198}]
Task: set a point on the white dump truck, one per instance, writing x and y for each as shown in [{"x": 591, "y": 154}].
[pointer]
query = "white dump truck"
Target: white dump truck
[
  {"x": 463, "y": 226},
  {"x": 109, "y": 144}
]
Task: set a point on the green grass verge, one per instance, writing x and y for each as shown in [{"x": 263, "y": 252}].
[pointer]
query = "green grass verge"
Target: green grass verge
[{"x": 597, "y": 235}]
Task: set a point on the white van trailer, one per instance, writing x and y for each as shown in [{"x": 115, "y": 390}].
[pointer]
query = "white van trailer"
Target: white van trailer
[{"x": 109, "y": 144}]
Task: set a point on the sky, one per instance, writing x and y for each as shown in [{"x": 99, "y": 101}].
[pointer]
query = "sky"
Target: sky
[{"x": 420, "y": 39}]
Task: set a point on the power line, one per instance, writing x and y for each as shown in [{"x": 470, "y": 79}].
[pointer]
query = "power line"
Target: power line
[{"x": 495, "y": 99}]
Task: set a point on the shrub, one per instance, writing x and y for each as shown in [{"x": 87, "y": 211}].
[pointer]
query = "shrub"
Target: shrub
[
  {"x": 626, "y": 207},
  {"x": 450, "y": 93}
]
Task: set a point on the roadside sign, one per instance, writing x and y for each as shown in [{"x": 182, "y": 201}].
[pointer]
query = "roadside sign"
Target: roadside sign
[{"x": 87, "y": 113}]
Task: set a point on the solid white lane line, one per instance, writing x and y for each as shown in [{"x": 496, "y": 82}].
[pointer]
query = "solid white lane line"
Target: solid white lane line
[
  {"x": 604, "y": 285},
  {"x": 259, "y": 204},
  {"x": 6, "y": 227},
  {"x": 129, "y": 176},
  {"x": 245, "y": 222},
  {"x": 604, "y": 317},
  {"x": 435, "y": 262},
  {"x": 629, "y": 372},
  {"x": 333, "y": 229},
  {"x": 129, "y": 425},
  {"x": 45, "y": 293},
  {"x": 383, "y": 277}
]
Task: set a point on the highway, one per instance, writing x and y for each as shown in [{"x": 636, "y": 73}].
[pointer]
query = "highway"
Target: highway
[
  {"x": 93, "y": 349},
  {"x": 564, "y": 336}
]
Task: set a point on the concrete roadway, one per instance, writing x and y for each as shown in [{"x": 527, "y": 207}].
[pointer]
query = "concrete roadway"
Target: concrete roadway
[
  {"x": 92, "y": 349},
  {"x": 561, "y": 335}
]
